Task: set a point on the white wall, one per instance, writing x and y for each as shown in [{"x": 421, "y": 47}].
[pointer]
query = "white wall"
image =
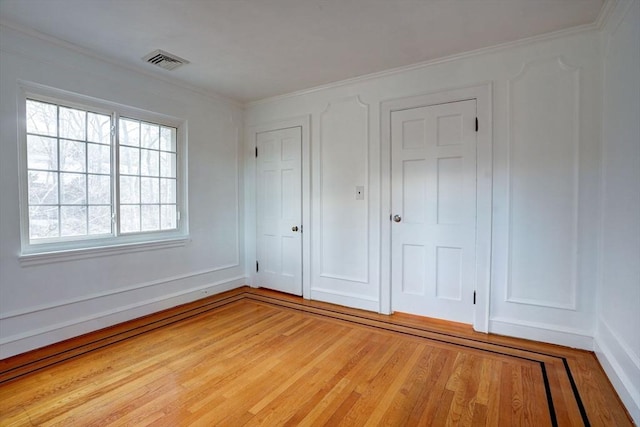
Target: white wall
[
  {"x": 617, "y": 340},
  {"x": 546, "y": 116},
  {"x": 41, "y": 304}
]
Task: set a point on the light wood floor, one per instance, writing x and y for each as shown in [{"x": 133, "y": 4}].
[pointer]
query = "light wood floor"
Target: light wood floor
[{"x": 251, "y": 357}]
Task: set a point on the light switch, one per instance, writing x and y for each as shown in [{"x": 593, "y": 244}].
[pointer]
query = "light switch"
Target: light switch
[{"x": 360, "y": 192}]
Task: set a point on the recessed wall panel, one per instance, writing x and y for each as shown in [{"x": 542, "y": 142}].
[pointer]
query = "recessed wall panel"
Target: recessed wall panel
[
  {"x": 543, "y": 181},
  {"x": 343, "y": 221}
]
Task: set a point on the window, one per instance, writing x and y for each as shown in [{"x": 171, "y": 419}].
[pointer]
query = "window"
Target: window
[{"x": 98, "y": 176}]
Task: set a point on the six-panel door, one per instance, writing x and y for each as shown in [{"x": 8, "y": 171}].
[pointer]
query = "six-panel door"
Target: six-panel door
[
  {"x": 434, "y": 207},
  {"x": 279, "y": 210}
]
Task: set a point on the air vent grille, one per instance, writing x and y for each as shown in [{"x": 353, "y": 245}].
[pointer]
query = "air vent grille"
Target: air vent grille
[{"x": 164, "y": 60}]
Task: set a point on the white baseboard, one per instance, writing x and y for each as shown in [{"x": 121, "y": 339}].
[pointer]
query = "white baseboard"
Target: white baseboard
[
  {"x": 347, "y": 300},
  {"x": 76, "y": 326},
  {"x": 542, "y": 332},
  {"x": 622, "y": 367}
]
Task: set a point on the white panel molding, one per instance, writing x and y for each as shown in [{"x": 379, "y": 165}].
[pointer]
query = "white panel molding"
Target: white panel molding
[
  {"x": 598, "y": 24},
  {"x": 615, "y": 12},
  {"x": 620, "y": 364},
  {"x": 575, "y": 73},
  {"x": 606, "y": 12},
  {"x": 482, "y": 93},
  {"x": 250, "y": 220},
  {"x": 99, "y": 295},
  {"x": 239, "y": 190},
  {"x": 29, "y": 340},
  {"x": 543, "y": 332},
  {"x": 345, "y": 299},
  {"x": 359, "y": 108}
]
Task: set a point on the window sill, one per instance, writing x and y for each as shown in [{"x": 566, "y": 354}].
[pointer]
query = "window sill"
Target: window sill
[{"x": 40, "y": 258}]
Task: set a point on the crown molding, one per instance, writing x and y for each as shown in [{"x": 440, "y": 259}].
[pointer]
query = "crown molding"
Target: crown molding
[
  {"x": 451, "y": 58},
  {"x": 615, "y": 12},
  {"x": 29, "y": 32}
]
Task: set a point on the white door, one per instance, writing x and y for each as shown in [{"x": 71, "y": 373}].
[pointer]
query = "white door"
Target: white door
[
  {"x": 279, "y": 210},
  {"x": 433, "y": 202}
]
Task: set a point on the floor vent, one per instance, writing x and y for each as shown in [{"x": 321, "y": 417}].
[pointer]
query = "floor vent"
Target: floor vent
[{"x": 164, "y": 60}]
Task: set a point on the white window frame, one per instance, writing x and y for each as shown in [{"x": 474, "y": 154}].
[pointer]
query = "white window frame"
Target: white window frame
[{"x": 33, "y": 253}]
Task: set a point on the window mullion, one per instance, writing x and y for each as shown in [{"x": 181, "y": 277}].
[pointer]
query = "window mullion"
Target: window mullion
[
  {"x": 115, "y": 172},
  {"x": 86, "y": 167},
  {"x": 59, "y": 176},
  {"x": 140, "y": 176}
]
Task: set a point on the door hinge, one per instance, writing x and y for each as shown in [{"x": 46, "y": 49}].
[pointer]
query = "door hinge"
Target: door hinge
[
  {"x": 257, "y": 266},
  {"x": 474, "y": 297},
  {"x": 476, "y": 124},
  {"x": 256, "y": 152}
]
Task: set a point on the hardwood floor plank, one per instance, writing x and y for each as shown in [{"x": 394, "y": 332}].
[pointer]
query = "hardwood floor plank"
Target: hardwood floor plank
[{"x": 253, "y": 357}]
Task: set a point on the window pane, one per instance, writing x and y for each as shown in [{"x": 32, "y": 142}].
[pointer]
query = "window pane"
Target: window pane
[
  {"x": 150, "y": 135},
  {"x": 99, "y": 190},
  {"x": 42, "y": 153},
  {"x": 167, "y": 190},
  {"x": 72, "y": 156},
  {"x": 98, "y": 128},
  {"x": 71, "y": 175},
  {"x": 149, "y": 162},
  {"x": 129, "y": 160},
  {"x": 129, "y": 218},
  {"x": 43, "y": 222},
  {"x": 42, "y": 118},
  {"x": 129, "y": 132},
  {"x": 167, "y": 164},
  {"x": 99, "y": 157},
  {"x": 43, "y": 188},
  {"x": 73, "y": 220},
  {"x": 150, "y": 217},
  {"x": 129, "y": 189},
  {"x": 167, "y": 139},
  {"x": 150, "y": 190},
  {"x": 73, "y": 123},
  {"x": 99, "y": 219},
  {"x": 73, "y": 190},
  {"x": 168, "y": 217}
]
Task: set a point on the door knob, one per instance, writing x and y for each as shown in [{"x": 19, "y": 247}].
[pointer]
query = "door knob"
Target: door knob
[
  {"x": 294, "y": 228},
  {"x": 397, "y": 218}
]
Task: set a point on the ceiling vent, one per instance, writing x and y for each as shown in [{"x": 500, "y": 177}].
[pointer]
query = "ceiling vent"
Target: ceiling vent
[{"x": 164, "y": 60}]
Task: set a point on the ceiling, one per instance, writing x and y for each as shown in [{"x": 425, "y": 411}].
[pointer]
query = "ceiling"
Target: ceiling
[{"x": 253, "y": 49}]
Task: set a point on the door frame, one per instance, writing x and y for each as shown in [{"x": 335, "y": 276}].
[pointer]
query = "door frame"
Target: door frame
[
  {"x": 250, "y": 196},
  {"x": 482, "y": 93}
]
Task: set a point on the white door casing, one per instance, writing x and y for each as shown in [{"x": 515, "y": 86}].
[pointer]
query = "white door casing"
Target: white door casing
[
  {"x": 279, "y": 210},
  {"x": 433, "y": 203}
]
